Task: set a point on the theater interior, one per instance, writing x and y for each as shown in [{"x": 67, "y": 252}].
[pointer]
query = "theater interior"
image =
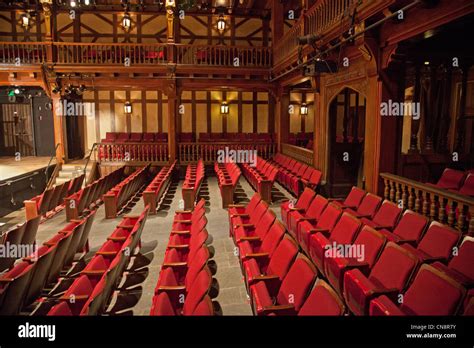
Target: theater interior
[{"x": 236, "y": 158}]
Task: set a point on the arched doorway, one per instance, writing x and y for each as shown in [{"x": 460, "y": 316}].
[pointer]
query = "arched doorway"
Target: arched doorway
[{"x": 346, "y": 141}]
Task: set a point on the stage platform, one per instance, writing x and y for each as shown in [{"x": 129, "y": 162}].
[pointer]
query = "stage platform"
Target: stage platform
[
  {"x": 11, "y": 168},
  {"x": 20, "y": 180}
]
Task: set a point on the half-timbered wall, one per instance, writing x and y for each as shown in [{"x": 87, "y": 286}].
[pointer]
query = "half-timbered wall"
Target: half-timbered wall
[{"x": 249, "y": 112}]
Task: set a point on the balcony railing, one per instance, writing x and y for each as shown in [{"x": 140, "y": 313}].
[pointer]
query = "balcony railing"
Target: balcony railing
[
  {"x": 133, "y": 152},
  {"x": 298, "y": 153},
  {"x": 133, "y": 54},
  {"x": 119, "y": 53},
  {"x": 441, "y": 205},
  {"x": 318, "y": 20},
  {"x": 209, "y": 153},
  {"x": 19, "y": 53},
  {"x": 233, "y": 56}
]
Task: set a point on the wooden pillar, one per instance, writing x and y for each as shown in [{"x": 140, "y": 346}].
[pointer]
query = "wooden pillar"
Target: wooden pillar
[
  {"x": 415, "y": 124},
  {"x": 48, "y": 24},
  {"x": 316, "y": 117},
  {"x": 58, "y": 124},
  {"x": 172, "y": 94},
  {"x": 277, "y": 20},
  {"x": 282, "y": 117}
]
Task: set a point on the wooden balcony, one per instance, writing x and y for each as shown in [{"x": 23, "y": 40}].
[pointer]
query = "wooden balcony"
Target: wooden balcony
[
  {"x": 437, "y": 204},
  {"x": 327, "y": 19},
  {"x": 71, "y": 55}
]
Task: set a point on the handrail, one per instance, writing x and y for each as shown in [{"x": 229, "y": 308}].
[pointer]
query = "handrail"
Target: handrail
[
  {"x": 88, "y": 159},
  {"x": 438, "y": 204},
  {"x": 83, "y": 53},
  {"x": 299, "y": 153},
  {"x": 49, "y": 163}
]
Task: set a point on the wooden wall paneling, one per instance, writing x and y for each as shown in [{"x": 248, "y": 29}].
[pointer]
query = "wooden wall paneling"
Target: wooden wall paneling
[
  {"x": 128, "y": 117},
  {"x": 144, "y": 111},
  {"x": 239, "y": 112},
  {"x": 209, "y": 112},
  {"x": 112, "y": 111},
  {"x": 160, "y": 112},
  {"x": 254, "y": 112},
  {"x": 193, "y": 112},
  {"x": 97, "y": 116}
]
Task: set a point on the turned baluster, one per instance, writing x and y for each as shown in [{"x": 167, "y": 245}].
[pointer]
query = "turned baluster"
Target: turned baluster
[
  {"x": 397, "y": 193},
  {"x": 426, "y": 204},
  {"x": 386, "y": 192},
  {"x": 417, "y": 200},
  {"x": 404, "y": 196},
  {"x": 411, "y": 198},
  {"x": 433, "y": 207},
  {"x": 461, "y": 217},
  {"x": 442, "y": 209},
  {"x": 392, "y": 191}
]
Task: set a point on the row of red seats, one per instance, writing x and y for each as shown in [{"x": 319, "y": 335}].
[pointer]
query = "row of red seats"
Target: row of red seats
[
  {"x": 192, "y": 183},
  {"x": 363, "y": 221},
  {"x": 23, "y": 234},
  {"x": 228, "y": 175},
  {"x": 457, "y": 181},
  {"x": 51, "y": 200},
  {"x": 91, "y": 291},
  {"x": 89, "y": 196},
  {"x": 294, "y": 175},
  {"x": 279, "y": 279},
  {"x": 118, "y": 196},
  {"x": 154, "y": 191},
  {"x": 185, "y": 282},
  {"x": 22, "y": 285},
  {"x": 113, "y": 137},
  {"x": 261, "y": 177}
]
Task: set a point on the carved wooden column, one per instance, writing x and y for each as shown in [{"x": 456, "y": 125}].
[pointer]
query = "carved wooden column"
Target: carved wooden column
[
  {"x": 171, "y": 22},
  {"x": 48, "y": 23}
]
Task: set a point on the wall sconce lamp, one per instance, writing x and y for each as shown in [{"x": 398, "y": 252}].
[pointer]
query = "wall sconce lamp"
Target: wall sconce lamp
[
  {"x": 25, "y": 20},
  {"x": 303, "y": 109},
  {"x": 127, "y": 108},
  {"x": 224, "y": 108},
  {"x": 126, "y": 22},
  {"x": 221, "y": 24}
]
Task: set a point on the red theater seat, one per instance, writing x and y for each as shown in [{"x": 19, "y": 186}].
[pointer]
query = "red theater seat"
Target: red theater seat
[
  {"x": 451, "y": 179},
  {"x": 437, "y": 244},
  {"x": 431, "y": 293},
  {"x": 322, "y": 300},
  {"x": 367, "y": 208},
  {"x": 390, "y": 275},
  {"x": 271, "y": 269},
  {"x": 369, "y": 243},
  {"x": 409, "y": 229},
  {"x": 460, "y": 268},
  {"x": 321, "y": 242},
  {"x": 301, "y": 205},
  {"x": 353, "y": 199},
  {"x": 312, "y": 214},
  {"x": 386, "y": 217},
  {"x": 262, "y": 248},
  {"x": 326, "y": 222},
  {"x": 291, "y": 294}
]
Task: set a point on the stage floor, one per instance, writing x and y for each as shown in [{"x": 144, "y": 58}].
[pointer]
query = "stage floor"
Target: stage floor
[{"x": 10, "y": 168}]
